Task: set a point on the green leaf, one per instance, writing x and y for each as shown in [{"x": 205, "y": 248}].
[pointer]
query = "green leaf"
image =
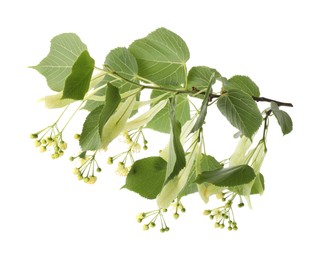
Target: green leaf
[
  {"x": 228, "y": 177},
  {"x": 146, "y": 177},
  {"x": 207, "y": 163},
  {"x": 203, "y": 110},
  {"x": 177, "y": 159},
  {"x": 116, "y": 123},
  {"x": 113, "y": 99},
  {"x": 200, "y": 77},
  {"x": 121, "y": 62},
  {"x": 258, "y": 186},
  {"x": 161, "y": 57},
  {"x": 284, "y": 120},
  {"x": 172, "y": 188},
  {"x": 57, "y": 66},
  {"x": 242, "y": 83},
  {"x": 241, "y": 111},
  {"x": 90, "y": 137},
  {"x": 77, "y": 83},
  {"x": 161, "y": 121}
]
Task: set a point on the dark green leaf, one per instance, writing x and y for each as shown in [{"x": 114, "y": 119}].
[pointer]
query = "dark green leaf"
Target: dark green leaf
[
  {"x": 283, "y": 118},
  {"x": 113, "y": 99},
  {"x": 242, "y": 83},
  {"x": 241, "y": 111},
  {"x": 146, "y": 177},
  {"x": 90, "y": 137},
  {"x": 161, "y": 121},
  {"x": 228, "y": 177},
  {"x": 77, "y": 83},
  {"x": 161, "y": 57},
  {"x": 200, "y": 77},
  {"x": 258, "y": 186},
  {"x": 177, "y": 159},
  {"x": 64, "y": 51},
  {"x": 203, "y": 110}
]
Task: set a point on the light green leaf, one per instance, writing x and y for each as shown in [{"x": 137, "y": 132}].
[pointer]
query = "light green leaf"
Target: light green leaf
[
  {"x": 143, "y": 119},
  {"x": 161, "y": 121},
  {"x": 173, "y": 187},
  {"x": 161, "y": 57},
  {"x": 77, "y": 83},
  {"x": 113, "y": 99},
  {"x": 64, "y": 51},
  {"x": 241, "y": 111},
  {"x": 228, "y": 177},
  {"x": 116, "y": 123},
  {"x": 146, "y": 177},
  {"x": 242, "y": 83},
  {"x": 200, "y": 77},
  {"x": 121, "y": 62},
  {"x": 177, "y": 160},
  {"x": 56, "y": 101},
  {"x": 283, "y": 118},
  {"x": 90, "y": 137},
  {"x": 203, "y": 110}
]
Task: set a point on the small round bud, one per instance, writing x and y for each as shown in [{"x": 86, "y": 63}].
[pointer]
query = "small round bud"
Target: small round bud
[
  {"x": 77, "y": 136},
  {"x": 167, "y": 229},
  {"x": 162, "y": 230},
  {"x": 240, "y": 205},
  {"x": 139, "y": 220},
  {"x": 110, "y": 160},
  {"x": 145, "y": 227},
  {"x": 164, "y": 210},
  {"x": 145, "y": 141},
  {"x": 183, "y": 210},
  {"x": 63, "y": 145},
  {"x": 54, "y": 155},
  {"x": 235, "y": 228},
  {"x": 229, "y": 228},
  {"x": 60, "y": 153},
  {"x": 43, "y": 141},
  {"x": 207, "y": 212},
  {"x": 76, "y": 171},
  {"x": 71, "y": 158},
  {"x": 98, "y": 169},
  {"x": 92, "y": 180},
  {"x": 33, "y": 136},
  {"x": 176, "y": 215},
  {"x": 222, "y": 226},
  {"x": 145, "y": 147},
  {"x": 216, "y": 225},
  {"x": 211, "y": 216},
  {"x": 152, "y": 224},
  {"x": 86, "y": 179},
  {"x": 42, "y": 149},
  {"x": 79, "y": 177},
  {"x": 37, "y": 143}
]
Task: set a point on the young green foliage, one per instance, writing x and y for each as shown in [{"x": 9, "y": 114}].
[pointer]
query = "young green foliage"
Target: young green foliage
[{"x": 178, "y": 106}]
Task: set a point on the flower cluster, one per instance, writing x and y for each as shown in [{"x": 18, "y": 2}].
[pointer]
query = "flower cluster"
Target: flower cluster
[
  {"x": 224, "y": 215},
  {"x": 131, "y": 140},
  {"x": 50, "y": 137},
  {"x": 154, "y": 215},
  {"x": 87, "y": 167}
]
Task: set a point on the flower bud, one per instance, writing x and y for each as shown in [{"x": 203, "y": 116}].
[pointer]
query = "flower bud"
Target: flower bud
[
  {"x": 33, "y": 136},
  {"x": 92, "y": 180},
  {"x": 37, "y": 143}
]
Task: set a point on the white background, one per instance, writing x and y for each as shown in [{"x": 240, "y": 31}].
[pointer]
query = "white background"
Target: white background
[{"x": 45, "y": 213}]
